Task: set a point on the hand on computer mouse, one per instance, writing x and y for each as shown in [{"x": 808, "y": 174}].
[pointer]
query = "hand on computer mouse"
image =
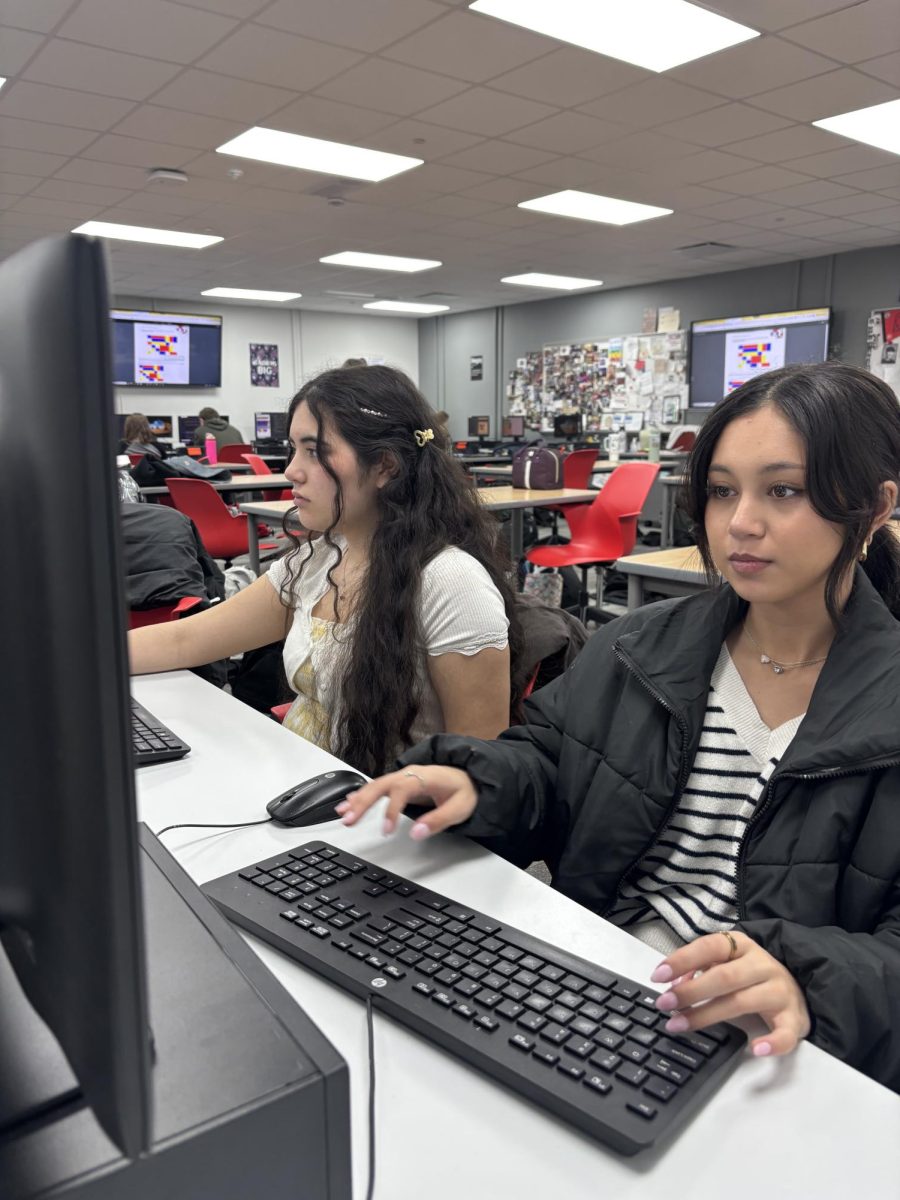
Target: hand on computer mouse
[
  {"x": 449, "y": 789},
  {"x": 313, "y": 800}
]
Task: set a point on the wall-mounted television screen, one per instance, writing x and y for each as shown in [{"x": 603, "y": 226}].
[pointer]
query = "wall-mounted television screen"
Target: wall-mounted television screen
[
  {"x": 156, "y": 349},
  {"x": 567, "y": 425},
  {"x": 728, "y": 351}
]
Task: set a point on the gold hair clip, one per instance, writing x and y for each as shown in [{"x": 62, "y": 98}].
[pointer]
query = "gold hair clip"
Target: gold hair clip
[{"x": 423, "y": 435}]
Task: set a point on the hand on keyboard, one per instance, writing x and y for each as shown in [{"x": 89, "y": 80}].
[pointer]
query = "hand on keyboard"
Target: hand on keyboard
[{"x": 449, "y": 789}]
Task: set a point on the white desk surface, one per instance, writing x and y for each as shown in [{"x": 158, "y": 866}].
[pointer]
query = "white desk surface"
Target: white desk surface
[
  {"x": 246, "y": 483},
  {"x": 799, "y": 1127}
]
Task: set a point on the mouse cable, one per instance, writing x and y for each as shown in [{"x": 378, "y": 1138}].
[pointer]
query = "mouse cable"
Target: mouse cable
[
  {"x": 191, "y": 825},
  {"x": 370, "y": 1190}
]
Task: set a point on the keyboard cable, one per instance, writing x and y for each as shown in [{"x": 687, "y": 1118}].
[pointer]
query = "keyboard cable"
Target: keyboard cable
[{"x": 227, "y": 825}]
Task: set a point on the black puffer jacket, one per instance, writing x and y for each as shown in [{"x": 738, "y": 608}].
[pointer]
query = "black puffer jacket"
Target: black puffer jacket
[{"x": 589, "y": 781}]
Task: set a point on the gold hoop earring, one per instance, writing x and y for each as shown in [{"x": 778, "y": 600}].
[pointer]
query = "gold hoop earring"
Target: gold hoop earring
[{"x": 865, "y": 549}]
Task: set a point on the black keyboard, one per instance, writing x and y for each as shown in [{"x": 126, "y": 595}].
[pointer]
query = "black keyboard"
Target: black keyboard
[
  {"x": 151, "y": 741},
  {"x": 585, "y": 1043}
]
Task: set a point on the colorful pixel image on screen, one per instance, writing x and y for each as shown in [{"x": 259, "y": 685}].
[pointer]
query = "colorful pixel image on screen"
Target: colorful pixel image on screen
[{"x": 163, "y": 343}]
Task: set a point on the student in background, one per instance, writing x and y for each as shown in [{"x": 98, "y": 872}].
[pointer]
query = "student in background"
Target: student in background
[
  {"x": 720, "y": 775},
  {"x": 137, "y": 437},
  {"x": 212, "y": 425},
  {"x": 395, "y": 604}
]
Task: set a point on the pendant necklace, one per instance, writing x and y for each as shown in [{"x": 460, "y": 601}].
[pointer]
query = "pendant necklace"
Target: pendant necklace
[{"x": 780, "y": 667}]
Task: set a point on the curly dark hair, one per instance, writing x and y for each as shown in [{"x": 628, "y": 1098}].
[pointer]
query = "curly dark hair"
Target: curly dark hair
[
  {"x": 427, "y": 505},
  {"x": 849, "y": 421}
]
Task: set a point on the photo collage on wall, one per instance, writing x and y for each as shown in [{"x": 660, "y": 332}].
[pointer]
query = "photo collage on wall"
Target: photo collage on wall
[
  {"x": 883, "y": 346},
  {"x": 621, "y": 382}
]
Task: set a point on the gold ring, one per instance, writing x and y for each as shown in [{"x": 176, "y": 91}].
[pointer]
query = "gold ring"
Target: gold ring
[
  {"x": 413, "y": 775},
  {"x": 732, "y": 953}
]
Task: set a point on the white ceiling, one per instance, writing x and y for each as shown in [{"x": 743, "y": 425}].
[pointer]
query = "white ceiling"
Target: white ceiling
[{"x": 100, "y": 91}]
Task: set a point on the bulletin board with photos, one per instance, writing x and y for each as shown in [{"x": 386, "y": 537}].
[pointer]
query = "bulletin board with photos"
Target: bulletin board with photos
[
  {"x": 883, "y": 346},
  {"x": 618, "y": 383}
]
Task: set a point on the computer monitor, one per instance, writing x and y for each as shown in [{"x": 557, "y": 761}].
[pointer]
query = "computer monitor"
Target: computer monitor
[
  {"x": 513, "y": 427},
  {"x": 160, "y": 427},
  {"x": 270, "y": 426},
  {"x": 70, "y": 912},
  {"x": 479, "y": 427},
  {"x": 728, "y": 351},
  {"x": 187, "y": 427},
  {"x": 568, "y": 425}
]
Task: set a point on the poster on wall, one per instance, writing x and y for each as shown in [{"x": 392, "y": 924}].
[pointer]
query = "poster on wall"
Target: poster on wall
[
  {"x": 883, "y": 346},
  {"x": 476, "y": 366},
  {"x": 263, "y": 365}
]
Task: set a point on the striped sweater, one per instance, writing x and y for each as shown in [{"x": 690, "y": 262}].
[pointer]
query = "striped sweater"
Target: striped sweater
[{"x": 685, "y": 885}]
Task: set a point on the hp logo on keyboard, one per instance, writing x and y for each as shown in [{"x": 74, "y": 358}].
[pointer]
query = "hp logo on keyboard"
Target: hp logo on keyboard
[{"x": 378, "y": 982}]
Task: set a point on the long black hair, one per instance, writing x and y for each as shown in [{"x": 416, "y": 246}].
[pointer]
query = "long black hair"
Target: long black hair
[
  {"x": 427, "y": 504},
  {"x": 849, "y": 422}
]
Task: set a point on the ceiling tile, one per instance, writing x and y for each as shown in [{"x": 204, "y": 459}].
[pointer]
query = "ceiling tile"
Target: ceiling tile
[
  {"x": 82, "y": 170},
  {"x": 137, "y": 152},
  {"x": 271, "y": 57},
  {"x": 37, "y": 135},
  {"x": 780, "y": 219},
  {"x": 17, "y": 184},
  {"x": 562, "y": 173},
  {"x": 314, "y": 116},
  {"x": 391, "y": 87},
  {"x": 89, "y": 69},
  {"x": 470, "y": 46},
  {"x": 218, "y": 96},
  {"x": 80, "y": 193},
  {"x": 646, "y": 104},
  {"x": 39, "y": 15},
  {"x": 160, "y": 29},
  {"x": 31, "y": 162},
  {"x": 735, "y": 209},
  {"x": 16, "y": 47},
  {"x": 68, "y": 210},
  {"x": 752, "y": 67},
  {"x": 785, "y": 144},
  {"x": 825, "y": 96},
  {"x": 420, "y": 139},
  {"x": 702, "y": 165},
  {"x": 503, "y": 191},
  {"x": 850, "y": 206},
  {"x": 38, "y": 102},
  {"x": 181, "y": 128},
  {"x": 569, "y": 76},
  {"x": 502, "y": 158},
  {"x": 844, "y": 161},
  {"x": 879, "y": 179},
  {"x": 886, "y": 67},
  {"x": 881, "y": 216},
  {"x": 723, "y": 126},
  {"x": 645, "y": 150},
  {"x": 859, "y": 31},
  {"x": 760, "y": 179},
  {"x": 568, "y": 133},
  {"x": 457, "y": 206},
  {"x": 825, "y": 227},
  {"x": 480, "y": 110},
  {"x": 360, "y": 24}
]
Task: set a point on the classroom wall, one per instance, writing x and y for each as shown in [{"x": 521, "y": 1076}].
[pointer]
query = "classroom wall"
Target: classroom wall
[
  {"x": 853, "y": 284},
  {"x": 308, "y": 342}
]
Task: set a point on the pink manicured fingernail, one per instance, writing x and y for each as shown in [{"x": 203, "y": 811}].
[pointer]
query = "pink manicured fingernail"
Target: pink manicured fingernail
[
  {"x": 419, "y": 832},
  {"x": 761, "y": 1049},
  {"x": 662, "y": 974},
  {"x": 348, "y": 818},
  {"x": 677, "y": 1024},
  {"x": 342, "y": 807},
  {"x": 387, "y": 826},
  {"x": 667, "y": 1001}
]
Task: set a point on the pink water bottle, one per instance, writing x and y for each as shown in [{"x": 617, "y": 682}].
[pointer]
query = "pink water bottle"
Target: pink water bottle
[{"x": 212, "y": 449}]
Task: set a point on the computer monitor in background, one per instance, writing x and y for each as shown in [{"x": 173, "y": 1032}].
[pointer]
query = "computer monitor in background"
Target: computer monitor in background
[
  {"x": 727, "y": 352},
  {"x": 187, "y": 427},
  {"x": 513, "y": 427},
  {"x": 160, "y": 427},
  {"x": 70, "y": 912},
  {"x": 568, "y": 425},
  {"x": 479, "y": 427},
  {"x": 270, "y": 426}
]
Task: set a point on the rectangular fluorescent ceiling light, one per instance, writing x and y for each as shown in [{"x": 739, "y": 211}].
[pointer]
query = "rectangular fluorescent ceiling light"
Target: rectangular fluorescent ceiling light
[
  {"x": 656, "y": 34},
  {"x": 139, "y": 233},
  {"x": 380, "y": 262},
  {"x": 2, "y": 80},
  {"x": 563, "y": 283},
  {"x": 404, "y": 306},
  {"x": 314, "y": 154},
  {"x": 586, "y": 206},
  {"x": 250, "y": 294},
  {"x": 878, "y": 125}
]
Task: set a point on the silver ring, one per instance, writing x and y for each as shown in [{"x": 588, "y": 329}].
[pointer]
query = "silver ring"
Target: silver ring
[{"x": 413, "y": 775}]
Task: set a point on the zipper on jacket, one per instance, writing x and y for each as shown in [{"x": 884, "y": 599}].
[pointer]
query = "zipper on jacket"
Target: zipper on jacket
[
  {"x": 682, "y": 775},
  {"x": 766, "y": 799}
]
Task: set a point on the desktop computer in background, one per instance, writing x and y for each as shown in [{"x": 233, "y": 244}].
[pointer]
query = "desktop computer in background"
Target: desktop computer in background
[
  {"x": 145, "y": 1051},
  {"x": 270, "y": 430}
]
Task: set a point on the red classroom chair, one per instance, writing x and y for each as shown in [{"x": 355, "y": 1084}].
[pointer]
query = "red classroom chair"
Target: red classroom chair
[
  {"x": 261, "y": 467},
  {"x": 139, "y": 617},
  {"x": 577, "y": 469},
  {"x": 224, "y": 535},
  {"x": 234, "y": 453}
]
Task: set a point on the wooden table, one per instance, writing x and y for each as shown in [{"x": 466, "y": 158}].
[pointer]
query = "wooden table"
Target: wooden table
[
  {"x": 673, "y": 572},
  {"x": 251, "y": 483},
  {"x": 514, "y": 499}
]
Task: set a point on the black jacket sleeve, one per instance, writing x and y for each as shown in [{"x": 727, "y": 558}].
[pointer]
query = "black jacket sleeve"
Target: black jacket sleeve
[{"x": 852, "y": 986}]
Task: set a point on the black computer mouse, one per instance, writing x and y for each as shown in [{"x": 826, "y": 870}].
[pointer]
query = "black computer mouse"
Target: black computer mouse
[{"x": 313, "y": 801}]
